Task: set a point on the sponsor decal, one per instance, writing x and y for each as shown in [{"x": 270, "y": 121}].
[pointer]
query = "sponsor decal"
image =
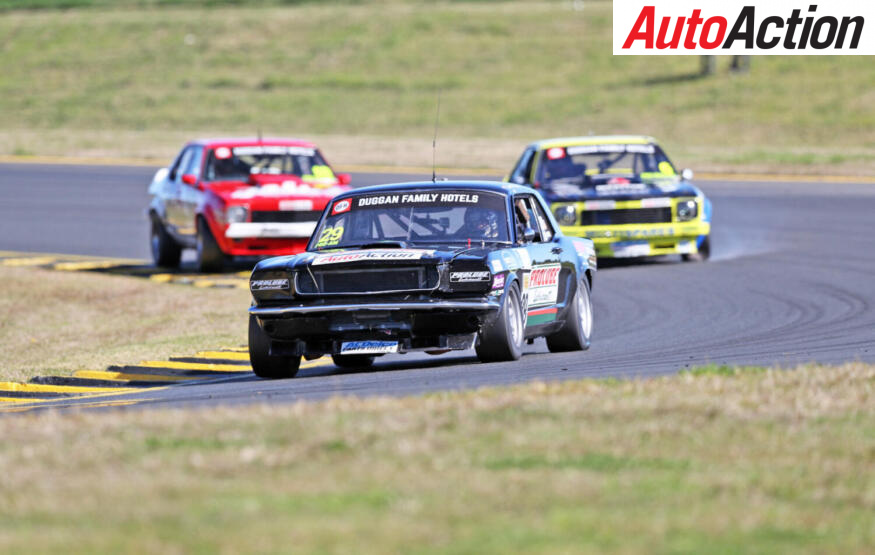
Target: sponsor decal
[
  {"x": 469, "y": 277},
  {"x": 656, "y": 203},
  {"x": 556, "y": 153},
  {"x": 617, "y": 187},
  {"x": 293, "y": 205},
  {"x": 524, "y": 257},
  {"x": 272, "y": 149},
  {"x": 341, "y": 206},
  {"x": 286, "y": 188},
  {"x": 630, "y": 249},
  {"x": 496, "y": 265},
  {"x": 630, "y": 233},
  {"x": 610, "y": 149},
  {"x": 694, "y": 27},
  {"x": 268, "y": 284},
  {"x": 599, "y": 205},
  {"x": 543, "y": 285},
  {"x": 498, "y": 282},
  {"x": 372, "y": 255},
  {"x": 417, "y": 198},
  {"x": 368, "y": 347},
  {"x": 223, "y": 153}
]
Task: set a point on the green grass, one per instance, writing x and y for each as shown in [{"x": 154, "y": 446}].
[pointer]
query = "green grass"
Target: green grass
[
  {"x": 770, "y": 461},
  {"x": 509, "y": 72}
]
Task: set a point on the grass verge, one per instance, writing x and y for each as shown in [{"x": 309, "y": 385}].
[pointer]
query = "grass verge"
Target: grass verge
[
  {"x": 114, "y": 81},
  {"x": 767, "y": 461},
  {"x": 54, "y": 323}
]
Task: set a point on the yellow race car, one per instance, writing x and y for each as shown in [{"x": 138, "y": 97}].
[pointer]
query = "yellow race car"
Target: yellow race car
[{"x": 622, "y": 192}]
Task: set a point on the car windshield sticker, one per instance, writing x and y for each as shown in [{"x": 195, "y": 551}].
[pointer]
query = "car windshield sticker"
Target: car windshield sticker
[
  {"x": 330, "y": 236},
  {"x": 341, "y": 206},
  {"x": 360, "y": 256},
  {"x": 273, "y": 149},
  {"x": 543, "y": 287},
  {"x": 223, "y": 153},
  {"x": 556, "y": 153},
  {"x": 610, "y": 149},
  {"x": 418, "y": 198}
]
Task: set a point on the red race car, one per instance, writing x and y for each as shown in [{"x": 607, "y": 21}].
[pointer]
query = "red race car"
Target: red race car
[{"x": 239, "y": 197}]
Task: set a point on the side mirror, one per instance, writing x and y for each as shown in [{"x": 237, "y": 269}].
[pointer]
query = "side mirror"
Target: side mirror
[
  {"x": 189, "y": 179},
  {"x": 343, "y": 178},
  {"x": 529, "y": 235},
  {"x": 687, "y": 174}
]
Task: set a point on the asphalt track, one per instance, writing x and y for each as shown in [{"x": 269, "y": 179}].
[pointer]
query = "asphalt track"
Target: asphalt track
[{"x": 792, "y": 281}]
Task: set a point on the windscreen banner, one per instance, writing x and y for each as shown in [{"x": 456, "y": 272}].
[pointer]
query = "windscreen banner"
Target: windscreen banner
[{"x": 744, "y": 27}]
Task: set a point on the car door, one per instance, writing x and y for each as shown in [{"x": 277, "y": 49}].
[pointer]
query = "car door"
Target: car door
[
  {"x": 175, "y": 215},
  {"x": 541, "y": 283},
  {"x": 190, "y": 194}
]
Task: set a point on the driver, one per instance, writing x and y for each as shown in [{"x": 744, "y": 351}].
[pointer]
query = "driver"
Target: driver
[{"x": 481, "y": 223}]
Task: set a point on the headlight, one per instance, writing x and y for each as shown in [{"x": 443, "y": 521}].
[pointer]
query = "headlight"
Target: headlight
[
  {"x": 236, "y": 214},
  {"x": 687, "y": 210},
  {"x": 565, "y": 215}
]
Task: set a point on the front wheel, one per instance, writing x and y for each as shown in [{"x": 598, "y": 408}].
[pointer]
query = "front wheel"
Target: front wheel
[
  {"x": 575, "y": 333},
  {"x": 210, "y": 257},
  {"x": 165, "y": 251},
  {"x": 263, "y": 363},
  {"x": 502, "y": 340},
  {"x": 703, "y": 254}
]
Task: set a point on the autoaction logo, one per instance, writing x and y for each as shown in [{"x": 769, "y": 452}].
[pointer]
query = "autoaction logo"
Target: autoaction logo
[{"x": 695, "y": 27}]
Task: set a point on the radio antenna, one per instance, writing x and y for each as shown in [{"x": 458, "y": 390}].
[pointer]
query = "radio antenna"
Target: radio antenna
[
  {"x": 258, "y": 133},
  {"x": 434, "y": 140}
]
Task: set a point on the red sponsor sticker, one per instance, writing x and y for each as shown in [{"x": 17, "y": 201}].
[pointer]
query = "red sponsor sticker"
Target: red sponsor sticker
[
  {"x": 341, "y": 206},
  {"x": 556, "y": 153}
]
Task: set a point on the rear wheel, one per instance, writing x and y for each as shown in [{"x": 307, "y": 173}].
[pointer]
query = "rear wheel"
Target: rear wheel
[
  {"x": 353, "y": 361},
  {"x": 703, "y": 254},
  {"x": 210, "y": 257},
  {"x": 263, "y": 364},
  {"x": 165, "y": 251},
  {"x": 502, "y": 340},
  {"x": 576, "y": 332}
]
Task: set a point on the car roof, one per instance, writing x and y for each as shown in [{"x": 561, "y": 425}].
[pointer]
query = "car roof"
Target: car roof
[
  {"x": 594, "y": 140},
  {"x": 490, "y": 186},
  {"x": 252, "y": 141}
]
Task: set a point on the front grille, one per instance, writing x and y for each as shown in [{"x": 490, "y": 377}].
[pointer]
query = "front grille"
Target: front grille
[
  {"x": 285, "y": 216},
  {"x": 626, "y": 216},
  {"x": 376, "y": 280}
]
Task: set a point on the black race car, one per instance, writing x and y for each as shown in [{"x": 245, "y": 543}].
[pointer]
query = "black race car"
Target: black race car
[{"x": 428, "y": 267}]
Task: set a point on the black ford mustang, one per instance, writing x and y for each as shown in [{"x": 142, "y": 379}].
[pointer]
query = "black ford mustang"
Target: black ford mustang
[{"x": 428, "y": 267}]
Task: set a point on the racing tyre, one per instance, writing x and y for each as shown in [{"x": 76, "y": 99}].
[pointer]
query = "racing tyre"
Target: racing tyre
[
  {"x": 263, "y": 364},
  {"x": 210, "y": 257},
  {"x": 701, "y": 256},
  {"x": 502, "y": 340},
  {"x": 575, "y": 334},
  {"x": 353, "y": 361},
  {"x": 165, "y": 251}
]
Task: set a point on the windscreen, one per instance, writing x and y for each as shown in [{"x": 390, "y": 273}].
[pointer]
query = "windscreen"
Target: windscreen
[
  {"x": 240, "y": 162},
  {"x": 426, "y": 217},
  {"x": 589, "y": 165}
]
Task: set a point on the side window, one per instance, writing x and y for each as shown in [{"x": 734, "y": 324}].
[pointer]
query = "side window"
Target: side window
[
  {"x": 193, "y": 166},
  {"x": 525, "y": 217},
  {"x": 523, "y": 169},
  {"x": 181, "y": 162},
  {"x": 547, "y": 231}
]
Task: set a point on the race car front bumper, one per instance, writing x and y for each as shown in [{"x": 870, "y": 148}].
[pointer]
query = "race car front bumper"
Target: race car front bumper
[
  {"x": 641, "y": 240},
  {"x": 412, "y": 325}
]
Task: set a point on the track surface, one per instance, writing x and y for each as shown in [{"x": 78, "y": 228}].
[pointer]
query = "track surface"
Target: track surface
[{"x": 792, "y": 281}]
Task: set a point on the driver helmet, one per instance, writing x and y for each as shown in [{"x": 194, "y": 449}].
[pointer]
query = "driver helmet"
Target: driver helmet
[{"x": 482, "y": 223}]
